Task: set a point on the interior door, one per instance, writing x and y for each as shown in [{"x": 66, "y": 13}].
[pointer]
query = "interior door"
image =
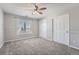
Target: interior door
[{"x": 61, "y": 29}]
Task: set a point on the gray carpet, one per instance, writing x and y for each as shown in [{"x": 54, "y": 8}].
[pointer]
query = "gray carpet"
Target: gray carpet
[{"x": 35, "y": 46}]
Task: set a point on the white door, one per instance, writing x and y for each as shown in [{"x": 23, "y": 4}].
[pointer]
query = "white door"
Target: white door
[{"x": 61, "y": 29}]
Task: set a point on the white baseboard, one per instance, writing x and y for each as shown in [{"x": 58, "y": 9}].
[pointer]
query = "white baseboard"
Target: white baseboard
[
  {"x": 74, "y": 47},
  {"x": 46, "y": 39},
  {"x": 20, "y": 39},
  {"x": 1, "y": 44}
]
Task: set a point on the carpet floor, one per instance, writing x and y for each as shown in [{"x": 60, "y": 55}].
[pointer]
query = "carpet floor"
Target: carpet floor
[{"x": 36, "y": 46}]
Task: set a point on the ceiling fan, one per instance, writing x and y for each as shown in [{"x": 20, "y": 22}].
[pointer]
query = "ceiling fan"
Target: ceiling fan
[
  {"x": 35, "y": 8},
  {"x": 38, "y": 9}
]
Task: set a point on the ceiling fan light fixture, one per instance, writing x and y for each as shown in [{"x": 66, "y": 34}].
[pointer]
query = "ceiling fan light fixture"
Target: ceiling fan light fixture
[{"x": 35, "y": 12}]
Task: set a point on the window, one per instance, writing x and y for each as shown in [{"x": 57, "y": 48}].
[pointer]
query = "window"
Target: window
[{"x": 24, "y": 26}]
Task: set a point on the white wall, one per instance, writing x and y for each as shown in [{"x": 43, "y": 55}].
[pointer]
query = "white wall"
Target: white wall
[
  {"x": 11, "y": 28},
  {"x": 45, "y": 28},
  {"x": 49, "y": 29},
  {"x": 74, "y": 27},
  {"x": 1, "y": 29}
]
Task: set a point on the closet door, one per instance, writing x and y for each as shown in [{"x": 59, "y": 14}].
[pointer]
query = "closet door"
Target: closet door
[{"x": 61, "y": 29}]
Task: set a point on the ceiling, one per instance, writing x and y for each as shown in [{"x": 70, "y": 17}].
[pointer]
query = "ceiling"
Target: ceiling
[{"x": 25, "y": 9}]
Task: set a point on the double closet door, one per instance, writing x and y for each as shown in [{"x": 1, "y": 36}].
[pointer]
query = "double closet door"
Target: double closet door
[{"x": 61, "y": 29}]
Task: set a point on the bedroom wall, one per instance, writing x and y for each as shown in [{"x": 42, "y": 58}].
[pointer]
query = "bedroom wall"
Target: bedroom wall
[
  {"x": 1, "y": 28},
  {"x": 45, "y": 28},
  {"x": 74, "y": 27},
  {"x": 11, "y": 28}
]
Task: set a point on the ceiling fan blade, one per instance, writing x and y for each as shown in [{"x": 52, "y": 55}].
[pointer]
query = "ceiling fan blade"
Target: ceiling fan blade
[
  {"x": 39, "y": 12},
  {"x": 44, "y": 8},
  {"x": 35, "y": 5}
]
